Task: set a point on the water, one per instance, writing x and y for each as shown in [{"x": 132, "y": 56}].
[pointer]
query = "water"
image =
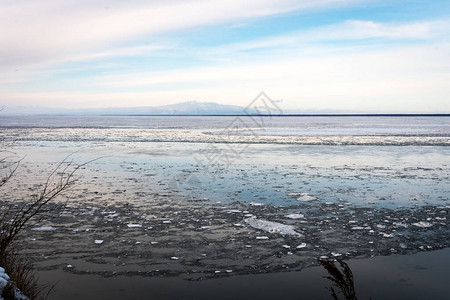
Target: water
[
  {"x": 377, "y": 186},
  {"x": 306, "y": 125},
  {"x": 244, "y": 129}
]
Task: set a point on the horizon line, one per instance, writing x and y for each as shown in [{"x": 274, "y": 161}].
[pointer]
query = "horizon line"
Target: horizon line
[{"x": 245, "y": 115}]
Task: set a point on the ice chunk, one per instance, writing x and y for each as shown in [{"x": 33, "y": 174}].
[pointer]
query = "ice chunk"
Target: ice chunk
[
  {"x": 44, "y": 228},
  {"x": 357, "y": 228},
  {"x": 131, "y": 225},
  {"x": 306, "y": 197},
  {"x": 301, "y": 246},
  {"x": 295, "y": 216},
  {"x": 174, "y": 258},
  {"x": 272, "y": 227},
  {"x": 423, "y": 224},
  {"x": 98, "y": 242},
  {"x": 262, "y": 237}
]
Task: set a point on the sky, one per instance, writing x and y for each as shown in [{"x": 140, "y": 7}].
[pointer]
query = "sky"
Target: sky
[{"x": 324, "y": 55}]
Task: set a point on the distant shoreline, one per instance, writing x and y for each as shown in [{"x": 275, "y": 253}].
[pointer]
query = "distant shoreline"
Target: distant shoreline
[{"x": 233, "y": 115}]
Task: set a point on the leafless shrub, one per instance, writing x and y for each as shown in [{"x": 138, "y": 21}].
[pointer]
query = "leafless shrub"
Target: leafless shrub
[{"x": 14, "y": 217}]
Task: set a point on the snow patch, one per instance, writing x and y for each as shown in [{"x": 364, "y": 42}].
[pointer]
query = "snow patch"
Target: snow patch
[{"x": 4, "y": 279}]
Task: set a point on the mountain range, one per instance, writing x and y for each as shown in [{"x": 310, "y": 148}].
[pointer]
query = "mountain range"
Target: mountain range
[{"x": 183, "y": 108}]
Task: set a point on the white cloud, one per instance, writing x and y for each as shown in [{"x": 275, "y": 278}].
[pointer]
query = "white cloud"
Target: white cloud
[
  {"x": 350, "y": 30},
  {"x": 37, "y": 33},
  {"x": 403, "y": 79},
  {"x": 306, "y": 68}
]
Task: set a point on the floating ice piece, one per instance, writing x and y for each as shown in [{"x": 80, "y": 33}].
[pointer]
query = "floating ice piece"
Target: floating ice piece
[
  {"x": 381, "y": 226},
  {"x": 44, "y": 228},
  {"x": 154, "y": 243},
  {"x": 69, "y": 266},
  {"x": 217, "y": 272},
  {"x": 400, "y": 224},
  {"x": 357, "y": 228},
  {"x": 423, "y": 224},
  {"x": 256, "y": 204},
  {"x": 387, "y": 235},
  {"x": 272, "y": 227},
  {"x": 174, "y": 258},
  {"x": 228, "y": 271},
  {"x": 98, "y": 242},
  {"x": 286, "y": 246},
  {"x": 306, "y": 197},
  {"x": 131, "y": 225},
  {"x": 237, "y": 224},
  {"x": 295, "y": 216},
  {"x": 336, "y": 254},
  {"x": 262, "y": 238},
  {"x": 234, "y": 211},
  {"x": 294, "y": 194},
  {"x": 167, "y": 222},
  {"x": 301, "y": 246}
]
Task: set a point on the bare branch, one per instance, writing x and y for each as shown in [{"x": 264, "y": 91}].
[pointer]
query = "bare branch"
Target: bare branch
[{"x": 15, "y": 219}]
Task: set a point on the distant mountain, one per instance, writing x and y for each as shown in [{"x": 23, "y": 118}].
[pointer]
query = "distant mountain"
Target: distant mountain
[
  {"x": 189, "y": 108},
  {"x": 184, "y": 108}
]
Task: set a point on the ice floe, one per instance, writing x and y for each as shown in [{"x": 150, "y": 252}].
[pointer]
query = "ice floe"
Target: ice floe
[
  {"x": 301, "y": 246},
  {"x": 295, "y": 216},
  {"x": 306, "y": 197},
  {"x": 423, "y": 224},
  {"x": 272, "y": 227},
  {"x": 131, "y": 225},
  {"x": 44, "y": 228}
]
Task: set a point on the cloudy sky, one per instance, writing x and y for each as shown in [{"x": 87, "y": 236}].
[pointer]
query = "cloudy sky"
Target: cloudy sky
[{"x": 343, "y": 55}]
